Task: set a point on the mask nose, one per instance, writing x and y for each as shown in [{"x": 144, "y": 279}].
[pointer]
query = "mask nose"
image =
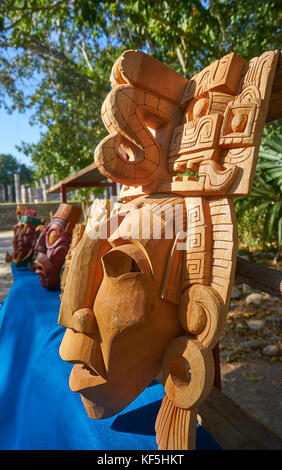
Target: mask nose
[
  {"x": 84, "y": 321},
  {"x": 79, "y": 348}
]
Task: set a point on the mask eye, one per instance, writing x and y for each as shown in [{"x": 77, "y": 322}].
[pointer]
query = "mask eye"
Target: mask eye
[
  {"x": 134, "y": 267},
  {"x": 53, "y": 236},
  {"x": 117, "y": 263},
  {"x": 125, "y": 259}
]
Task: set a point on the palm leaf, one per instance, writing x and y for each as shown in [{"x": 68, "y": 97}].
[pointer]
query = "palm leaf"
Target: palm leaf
[
  {"x": 280, "y": 232},
  {"x": 273, "y": 217},
  {"x": 264, "y": 204}
]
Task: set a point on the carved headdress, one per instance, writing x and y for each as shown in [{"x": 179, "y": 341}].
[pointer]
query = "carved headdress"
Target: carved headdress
[{"x": 162, "y": 124}]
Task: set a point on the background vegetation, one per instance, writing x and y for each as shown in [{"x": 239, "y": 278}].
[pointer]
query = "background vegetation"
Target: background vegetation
[
  {"x": 56, "y": 57},
  {"x": 10, "y": 165}
]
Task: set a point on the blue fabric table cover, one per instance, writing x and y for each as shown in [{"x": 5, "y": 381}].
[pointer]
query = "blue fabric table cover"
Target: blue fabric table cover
[{"x": 38, "y": 411}]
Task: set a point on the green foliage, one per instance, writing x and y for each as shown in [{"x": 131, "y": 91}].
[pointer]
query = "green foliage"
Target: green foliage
[
  {"x": 26, "y": 174},
  {"x": 56, "y": 57},
  {"x": 190, "y": 34},
  {"x": 261, "y": 212},
  {"x": 9, "y": 165},
  {"x": 52, "y": 62}
]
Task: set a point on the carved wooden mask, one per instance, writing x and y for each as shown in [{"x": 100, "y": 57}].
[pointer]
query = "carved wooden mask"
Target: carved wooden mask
[
  {"x": 118, "y": 351},
  {"x": 134, "y": 305},
  {"x": 53, "y": 245},
  {"x": 25, "y": 236}
]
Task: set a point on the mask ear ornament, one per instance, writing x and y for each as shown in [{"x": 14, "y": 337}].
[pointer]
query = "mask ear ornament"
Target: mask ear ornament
[{"x": 201, "y": 314}]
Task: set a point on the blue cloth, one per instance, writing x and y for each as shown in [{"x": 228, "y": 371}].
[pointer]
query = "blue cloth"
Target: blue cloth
[{"x": 38, "y": 411}]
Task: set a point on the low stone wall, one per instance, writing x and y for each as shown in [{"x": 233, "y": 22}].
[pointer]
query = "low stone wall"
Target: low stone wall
[{"x": 8, "y": 212}]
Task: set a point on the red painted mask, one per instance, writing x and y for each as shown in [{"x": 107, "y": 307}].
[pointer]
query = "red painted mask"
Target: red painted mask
[
  {"x": 53, "y": 245},
  {"x": 25, "y": 236}
]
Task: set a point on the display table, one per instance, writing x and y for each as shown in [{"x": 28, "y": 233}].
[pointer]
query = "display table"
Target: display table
[{"x": 37, "y": 408}]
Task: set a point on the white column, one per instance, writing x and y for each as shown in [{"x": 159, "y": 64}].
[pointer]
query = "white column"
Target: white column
[
  {"x": 44, "y": 195},
  {"x": 9, "y": 193},
  {"x": 17, "y": 188},
  {"x": 24, "y": 195},
  {"x": 2, "y": 193}
]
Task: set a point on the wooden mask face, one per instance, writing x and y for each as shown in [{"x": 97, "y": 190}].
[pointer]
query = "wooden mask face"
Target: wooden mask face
[
  {"x": 50, "y": 252},
  {"x": 53, "y": 245},
  {"x": 117, "y": 343},
  {"x": 25, "y": 236}
]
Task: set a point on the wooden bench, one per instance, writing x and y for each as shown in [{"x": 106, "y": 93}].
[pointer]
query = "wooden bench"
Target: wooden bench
[{"x": 232, "y": 427}]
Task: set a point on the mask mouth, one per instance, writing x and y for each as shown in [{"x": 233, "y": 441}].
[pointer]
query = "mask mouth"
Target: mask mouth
[
  {"x": 39, "y": 268},
  {"x": 40, "y": 271},
  {"x": 82, "y": 377},
  {"x": 88, "y": 369},
  {"x": 42, "y": 263},
  {"x": 101, "y": 398},
  {"x": 185, "y": 166}
]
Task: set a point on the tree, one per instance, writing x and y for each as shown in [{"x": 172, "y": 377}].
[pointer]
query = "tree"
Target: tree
[
  {"x": 66, "y": 49},
  {"x": 263, "y": 207},
  {"x": 10, "y": 165},
  {"x": 26, "y": 174},
  {"x": 64, "y": 96}
]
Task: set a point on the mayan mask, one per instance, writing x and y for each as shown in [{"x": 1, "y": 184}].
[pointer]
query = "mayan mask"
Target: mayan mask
[
  {"x": 138, "y": 302},
  {"x": 25, "y": 236},
  {"x": 53, "y": 244}
]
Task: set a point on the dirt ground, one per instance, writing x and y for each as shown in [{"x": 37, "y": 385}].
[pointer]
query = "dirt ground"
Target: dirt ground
[
  {"x": 6, "y": 278},
  {"x": 250, "y": 350},
  {"x": 251, "y": 358}
]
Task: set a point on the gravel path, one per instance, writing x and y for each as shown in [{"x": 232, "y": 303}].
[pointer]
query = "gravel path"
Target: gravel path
[{"x": 6, "y": 278}]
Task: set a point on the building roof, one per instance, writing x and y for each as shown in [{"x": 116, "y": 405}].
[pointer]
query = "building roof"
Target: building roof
[{"x": 88, "y": 176}]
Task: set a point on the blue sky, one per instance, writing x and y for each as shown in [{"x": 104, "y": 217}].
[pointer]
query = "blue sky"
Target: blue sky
[{"x": 15, "y": 128}]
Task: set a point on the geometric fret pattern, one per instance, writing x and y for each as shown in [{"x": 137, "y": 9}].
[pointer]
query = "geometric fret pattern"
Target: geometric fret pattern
[
  {"x": 224, "y": 246},
  {"x": 198, "y": 242}
]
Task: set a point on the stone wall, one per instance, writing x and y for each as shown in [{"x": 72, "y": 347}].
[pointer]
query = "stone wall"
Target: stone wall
[{"x": 8, "y": 212}]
